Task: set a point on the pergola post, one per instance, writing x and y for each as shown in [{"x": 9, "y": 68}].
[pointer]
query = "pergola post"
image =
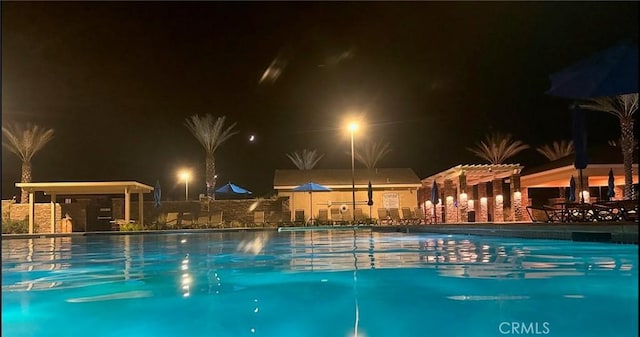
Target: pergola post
[
  {"x": 463, "y": 198},
  {"x": 516, "y": 196},
  {"x": 53, "y": 212},
  {"x": 127, "y": 205},
  {"x": 498, "y": 201},
  {"x": 141, "y": 208},
  {"x": 31, "y": 211}
]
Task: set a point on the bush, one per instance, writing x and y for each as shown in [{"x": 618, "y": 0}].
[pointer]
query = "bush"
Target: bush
[
  {"x": 129, "y": 227},
  {"x": 15, "y": 226}
]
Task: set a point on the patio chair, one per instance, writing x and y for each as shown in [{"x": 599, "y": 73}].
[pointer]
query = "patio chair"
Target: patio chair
[
  {"x": 383, "y": 216},
  {"x": 336, "y": 217},
  {"x": 216, "y": 219},
  {"x": 187, "y": 219},
  {"x": 258, "y": 218},
  {"x": 419, "y": 214},
  {"x": 323, "y": 217},
  {"x": 202, "y": 221},
  {"x": 360, "y": 217},
  {"x": 299, "y": 219},
  {"x": 394, "y": 213},
  {"x": 172, "y": 220},
  {"x": 285, "y": 218},
  {"x": 407, "y": 215}
]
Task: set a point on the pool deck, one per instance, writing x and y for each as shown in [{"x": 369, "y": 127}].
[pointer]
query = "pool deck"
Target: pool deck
[{"x": 614, "y": 232}]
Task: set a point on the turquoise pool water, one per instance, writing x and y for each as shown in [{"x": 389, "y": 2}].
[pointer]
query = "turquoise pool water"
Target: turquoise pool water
[{"x": 316, "y": 283}]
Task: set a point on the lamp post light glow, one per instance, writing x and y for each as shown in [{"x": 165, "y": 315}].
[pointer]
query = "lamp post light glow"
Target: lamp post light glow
[
  {"x": 353, "y": 126},
  {"x": 186, "y": 175}
]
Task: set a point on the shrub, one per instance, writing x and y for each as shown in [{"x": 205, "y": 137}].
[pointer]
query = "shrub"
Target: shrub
[
  {"x": 10, "y": 226},
  {"x": 129, "y": 227}
]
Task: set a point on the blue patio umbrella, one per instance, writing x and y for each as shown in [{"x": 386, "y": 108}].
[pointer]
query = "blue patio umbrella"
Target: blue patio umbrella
[
  {"x": 572, "y": 189},
  {"x": 232, "y": 189},
  {"x": 610, "y": 72},
  {"x": 311, "y": 187},
  {"x": 434, "y": 198},
  {"x": 611, "y": 184},
  {"x": 157, "y": 194}
]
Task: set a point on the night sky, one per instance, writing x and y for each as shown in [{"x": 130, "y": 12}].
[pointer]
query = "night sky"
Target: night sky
[{"x": 117, "y": 80}]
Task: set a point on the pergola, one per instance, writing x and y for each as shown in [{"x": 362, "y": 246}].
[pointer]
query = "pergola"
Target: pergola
[
  {"x": 85, "y": 188},
  {"x": 475, "y": 174},
  {"x": 459, "y": 180}
]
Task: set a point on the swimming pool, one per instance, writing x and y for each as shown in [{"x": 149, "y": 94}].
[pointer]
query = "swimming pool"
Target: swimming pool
[{"x": 316, "y": 283}]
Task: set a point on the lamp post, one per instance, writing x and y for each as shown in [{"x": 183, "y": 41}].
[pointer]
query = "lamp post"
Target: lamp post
[
  {"x": 353, "y": 126},
  {"x": 185, "y": 175}
]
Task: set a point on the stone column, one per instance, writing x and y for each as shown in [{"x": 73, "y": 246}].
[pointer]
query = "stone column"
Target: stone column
[
  {"x": 463, "y": 198},
  {"x": 482, "y": 197},
  {"x": 498, "y": 199},
  {"x": 516, "y": 197},
  {"x": 450, "y": 210}
]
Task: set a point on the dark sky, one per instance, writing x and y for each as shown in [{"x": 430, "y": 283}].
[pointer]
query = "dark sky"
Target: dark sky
[{"x": 117, "y": 80}]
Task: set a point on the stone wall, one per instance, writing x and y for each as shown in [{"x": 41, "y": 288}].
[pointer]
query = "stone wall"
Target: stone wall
[
  {"x": 241, "y": 211},
  {"x": 42, "y": 216}
]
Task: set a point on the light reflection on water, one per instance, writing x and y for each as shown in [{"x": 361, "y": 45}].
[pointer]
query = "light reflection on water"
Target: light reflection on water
[
  {"x": 310, "y": 283},
  {"x": 47, "y": 263}
]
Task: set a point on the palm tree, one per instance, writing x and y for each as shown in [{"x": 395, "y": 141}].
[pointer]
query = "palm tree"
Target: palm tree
[
  {"x": 623, "y": 107},
  {"x": 498, "y": 147},
  {"x": 618, "y": 143},
  {"x": 25, "y": 141},
  {"x": 211, "y": 134},
  {"x": 371, "y": 153},
  {"x": 307, "y": 160},
  {"x": 555, "y": 151}
]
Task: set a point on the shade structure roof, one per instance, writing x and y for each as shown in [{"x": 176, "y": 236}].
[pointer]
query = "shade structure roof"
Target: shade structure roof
[
  {"x": 84, "y": 188},
  {"x": 232, "y": 189},
  {"x": 341, "y": 178},
  {"x": 475, "y": 173}
]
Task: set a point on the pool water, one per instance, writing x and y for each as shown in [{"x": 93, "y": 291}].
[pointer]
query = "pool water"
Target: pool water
[{"x": 316, "y": 283}]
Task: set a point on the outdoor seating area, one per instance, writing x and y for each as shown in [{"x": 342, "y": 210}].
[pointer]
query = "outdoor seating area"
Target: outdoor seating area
[{"x": 619, "y": 210}]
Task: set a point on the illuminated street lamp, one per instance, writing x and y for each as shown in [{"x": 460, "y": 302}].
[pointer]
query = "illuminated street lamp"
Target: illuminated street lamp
[
  {"x": 185, "y": 175},
  {"x": 353, "y": 126}
]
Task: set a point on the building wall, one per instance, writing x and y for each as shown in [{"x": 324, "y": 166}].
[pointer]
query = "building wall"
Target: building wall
[{"x": 335, "y": 199}]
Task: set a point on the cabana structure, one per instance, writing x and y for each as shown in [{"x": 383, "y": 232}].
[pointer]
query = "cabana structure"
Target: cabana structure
[
  {"x": 392, "y": 189},
  {"x": 466, "y": 199},
  {"x": 55, "y": 189},
  {"x": 558, "y": 173}
]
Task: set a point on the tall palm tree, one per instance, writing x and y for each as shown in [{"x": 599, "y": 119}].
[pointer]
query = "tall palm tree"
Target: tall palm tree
[
  {"x": 306, "y": 160},
  {"x": 371, "y": 153},
  {"x": 555, "y": 151},
  {"x": 623, "y": 107},
  {"x": 211, "y": 133},
  {"x": 498, "y": 147},
  {"x": 25, "y": 141}
]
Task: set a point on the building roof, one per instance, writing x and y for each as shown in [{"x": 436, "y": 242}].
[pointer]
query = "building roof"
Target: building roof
[
  {"x": 73, "y": 188},
  {"x": 476, "y": 173},
  {"x": 341, "y": 178},
  {"x": 605, "y": 155}
]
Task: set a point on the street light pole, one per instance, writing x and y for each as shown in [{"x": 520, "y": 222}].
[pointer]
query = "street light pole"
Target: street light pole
[
  {"x": 352, "y": 128},
  {"x": 186, "y": 187},
  {"x": 185, "y": 175}
]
